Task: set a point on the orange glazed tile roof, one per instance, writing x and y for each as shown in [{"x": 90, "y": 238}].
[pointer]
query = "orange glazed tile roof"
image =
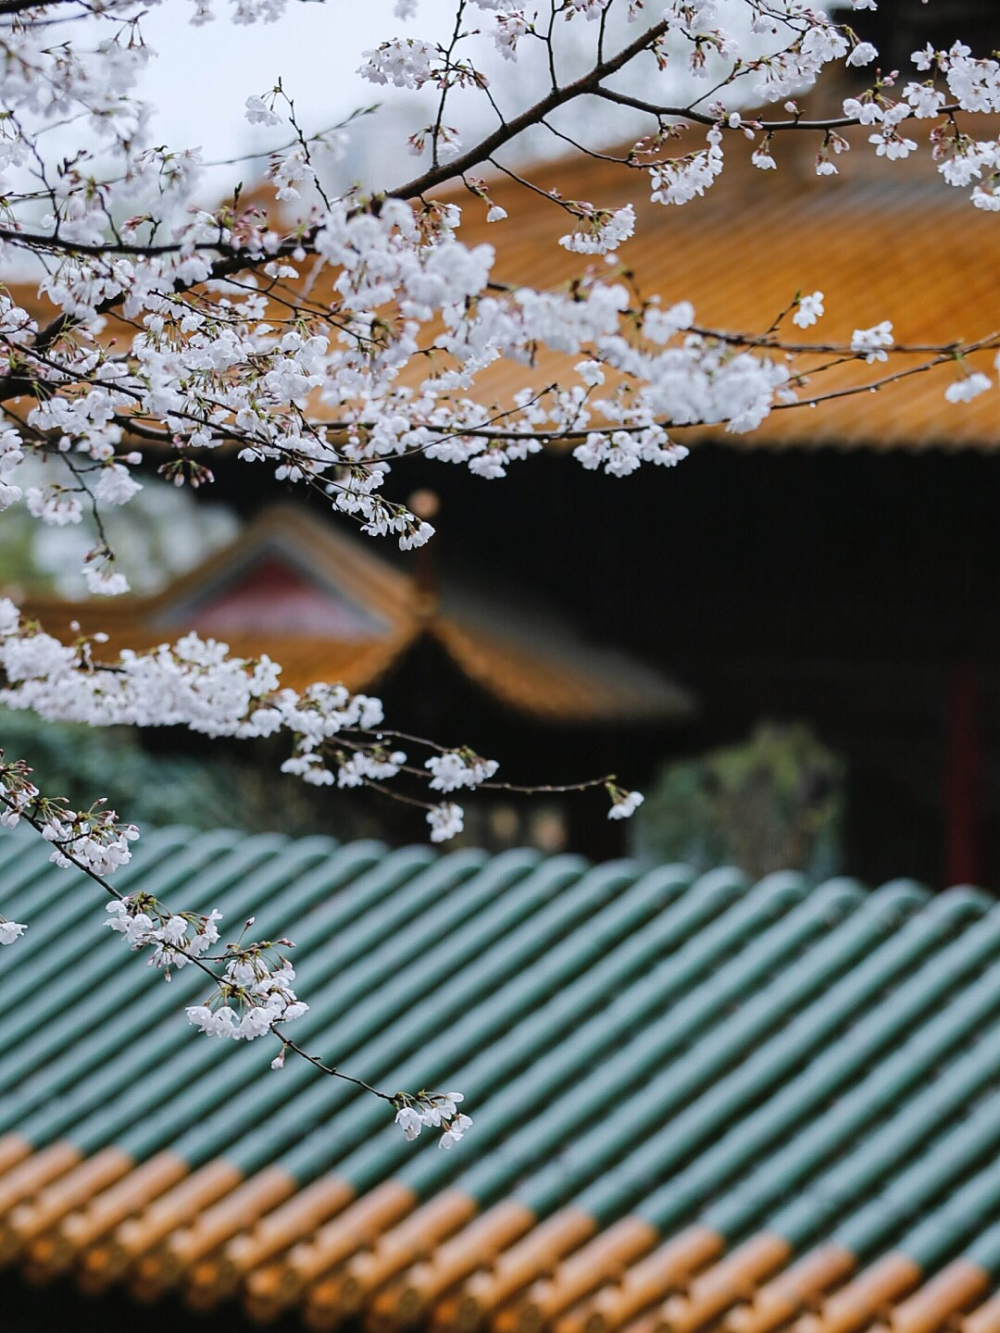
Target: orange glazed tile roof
[
  {"x": 700, "y": 1105},
  {"x": 887, "y": 242},
  {"x": 883, "y": 240},
  {"x": 328, "y": 609}
]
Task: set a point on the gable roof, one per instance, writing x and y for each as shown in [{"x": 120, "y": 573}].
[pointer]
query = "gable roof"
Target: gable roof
[
  {"x": 329, "y": 609},
  {"x": 695, "y": 1100}
]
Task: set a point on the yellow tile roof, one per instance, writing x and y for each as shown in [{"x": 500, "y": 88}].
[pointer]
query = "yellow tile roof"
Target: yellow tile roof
[
  {"x": 882, "y": 240},
  {"x": 892, "y": 242}
]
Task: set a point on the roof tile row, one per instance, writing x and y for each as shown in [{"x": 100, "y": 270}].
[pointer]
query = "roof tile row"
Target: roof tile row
[{"x": 697, "y": 1102}]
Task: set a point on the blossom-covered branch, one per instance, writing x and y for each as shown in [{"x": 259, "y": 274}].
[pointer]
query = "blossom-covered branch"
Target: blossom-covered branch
[{"x": 252, "y": 992}]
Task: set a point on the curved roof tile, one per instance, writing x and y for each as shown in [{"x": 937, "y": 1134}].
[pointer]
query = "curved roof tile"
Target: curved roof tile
[{"x": 698, "y": 1103}]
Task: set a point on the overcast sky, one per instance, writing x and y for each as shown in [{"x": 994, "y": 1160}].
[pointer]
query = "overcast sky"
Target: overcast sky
[
  {"x": 203, "y": 76},
  {"x": 315, "y": 48}
]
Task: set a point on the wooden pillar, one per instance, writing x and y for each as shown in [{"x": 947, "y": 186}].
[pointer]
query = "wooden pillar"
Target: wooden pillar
[{"x": 963, "y": 777}]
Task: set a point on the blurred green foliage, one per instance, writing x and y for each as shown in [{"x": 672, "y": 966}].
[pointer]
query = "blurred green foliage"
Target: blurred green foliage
[
  {"x": 773, "y": 803},
  {"x": 228, "y": 788},
  {"x": 159, "y": 534},
  {"x": 83, "y": 763}
]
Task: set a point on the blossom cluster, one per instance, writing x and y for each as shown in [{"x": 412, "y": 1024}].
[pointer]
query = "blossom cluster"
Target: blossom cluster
[
  {"x": 405, "y": 62},
  {"x": 433, "y": 1111},
  {"x": 177, "y": 938},
  {"x": 18, "y": 794},
  {"x": 809, "y": 309},
  {"x": 967, "y": 387},
  {"x": 871, "y": 343},
  {"x": 445, "y": 820},
  {"x": 93, "y": 838},
  {"x": 459, "y": 768},
  {"x": 623, "y": 803},
  {"x": 252, "y": 996},
  {"x": 374, "y": 764},
  {"x": 679, "y": 180},
  {"x": 606, "y": 231},
  {"x": 10, "y": 930}
]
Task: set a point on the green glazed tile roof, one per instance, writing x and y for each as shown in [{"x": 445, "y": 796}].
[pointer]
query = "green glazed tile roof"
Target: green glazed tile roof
[{"x": 698, "y": 1102}]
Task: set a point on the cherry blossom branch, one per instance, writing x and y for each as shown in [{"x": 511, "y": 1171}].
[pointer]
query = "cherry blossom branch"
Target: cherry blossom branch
[
  {"x": 764, "y": 126},
  {"x": 374, "y": 356},
  {"x": 533, "y": 115},
  {"x": 436, "y": 1109}
]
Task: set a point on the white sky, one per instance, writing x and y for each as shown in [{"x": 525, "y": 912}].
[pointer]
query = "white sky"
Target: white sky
[
  {"x": 203, "y": 75},
  {"x": 198, "y": 82},
  {"x": 316, "y": 48}
]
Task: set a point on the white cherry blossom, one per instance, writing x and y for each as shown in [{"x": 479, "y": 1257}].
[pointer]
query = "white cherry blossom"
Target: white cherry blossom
[
  {"x": 863, "y": 54},
  {"x": 892, "y": 145},
  {"x": 809, "y": 310},
  {"x": 259, "y": 113},
  {"x": 433, "y": 1111},
  {"x": 445, "y": 820},
  {"x": 459, "y": 769},
  {"x": 606, "y": 234},
  {"x": 970, "y": 386},
  {"x": 624, "y": 803},
  {"x": 871, "y": 343},
  {"x": 404, "y": 62},
  {"x": 11, "y": 931},
  {"x": 455, "y": 1131}
]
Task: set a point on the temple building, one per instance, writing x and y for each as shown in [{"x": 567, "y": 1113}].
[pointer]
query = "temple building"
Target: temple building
[{"x": 450, "y": 659}]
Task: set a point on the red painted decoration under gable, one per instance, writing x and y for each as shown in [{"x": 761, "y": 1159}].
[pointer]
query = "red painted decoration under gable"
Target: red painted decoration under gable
[{"x": 273, "y": 597}]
